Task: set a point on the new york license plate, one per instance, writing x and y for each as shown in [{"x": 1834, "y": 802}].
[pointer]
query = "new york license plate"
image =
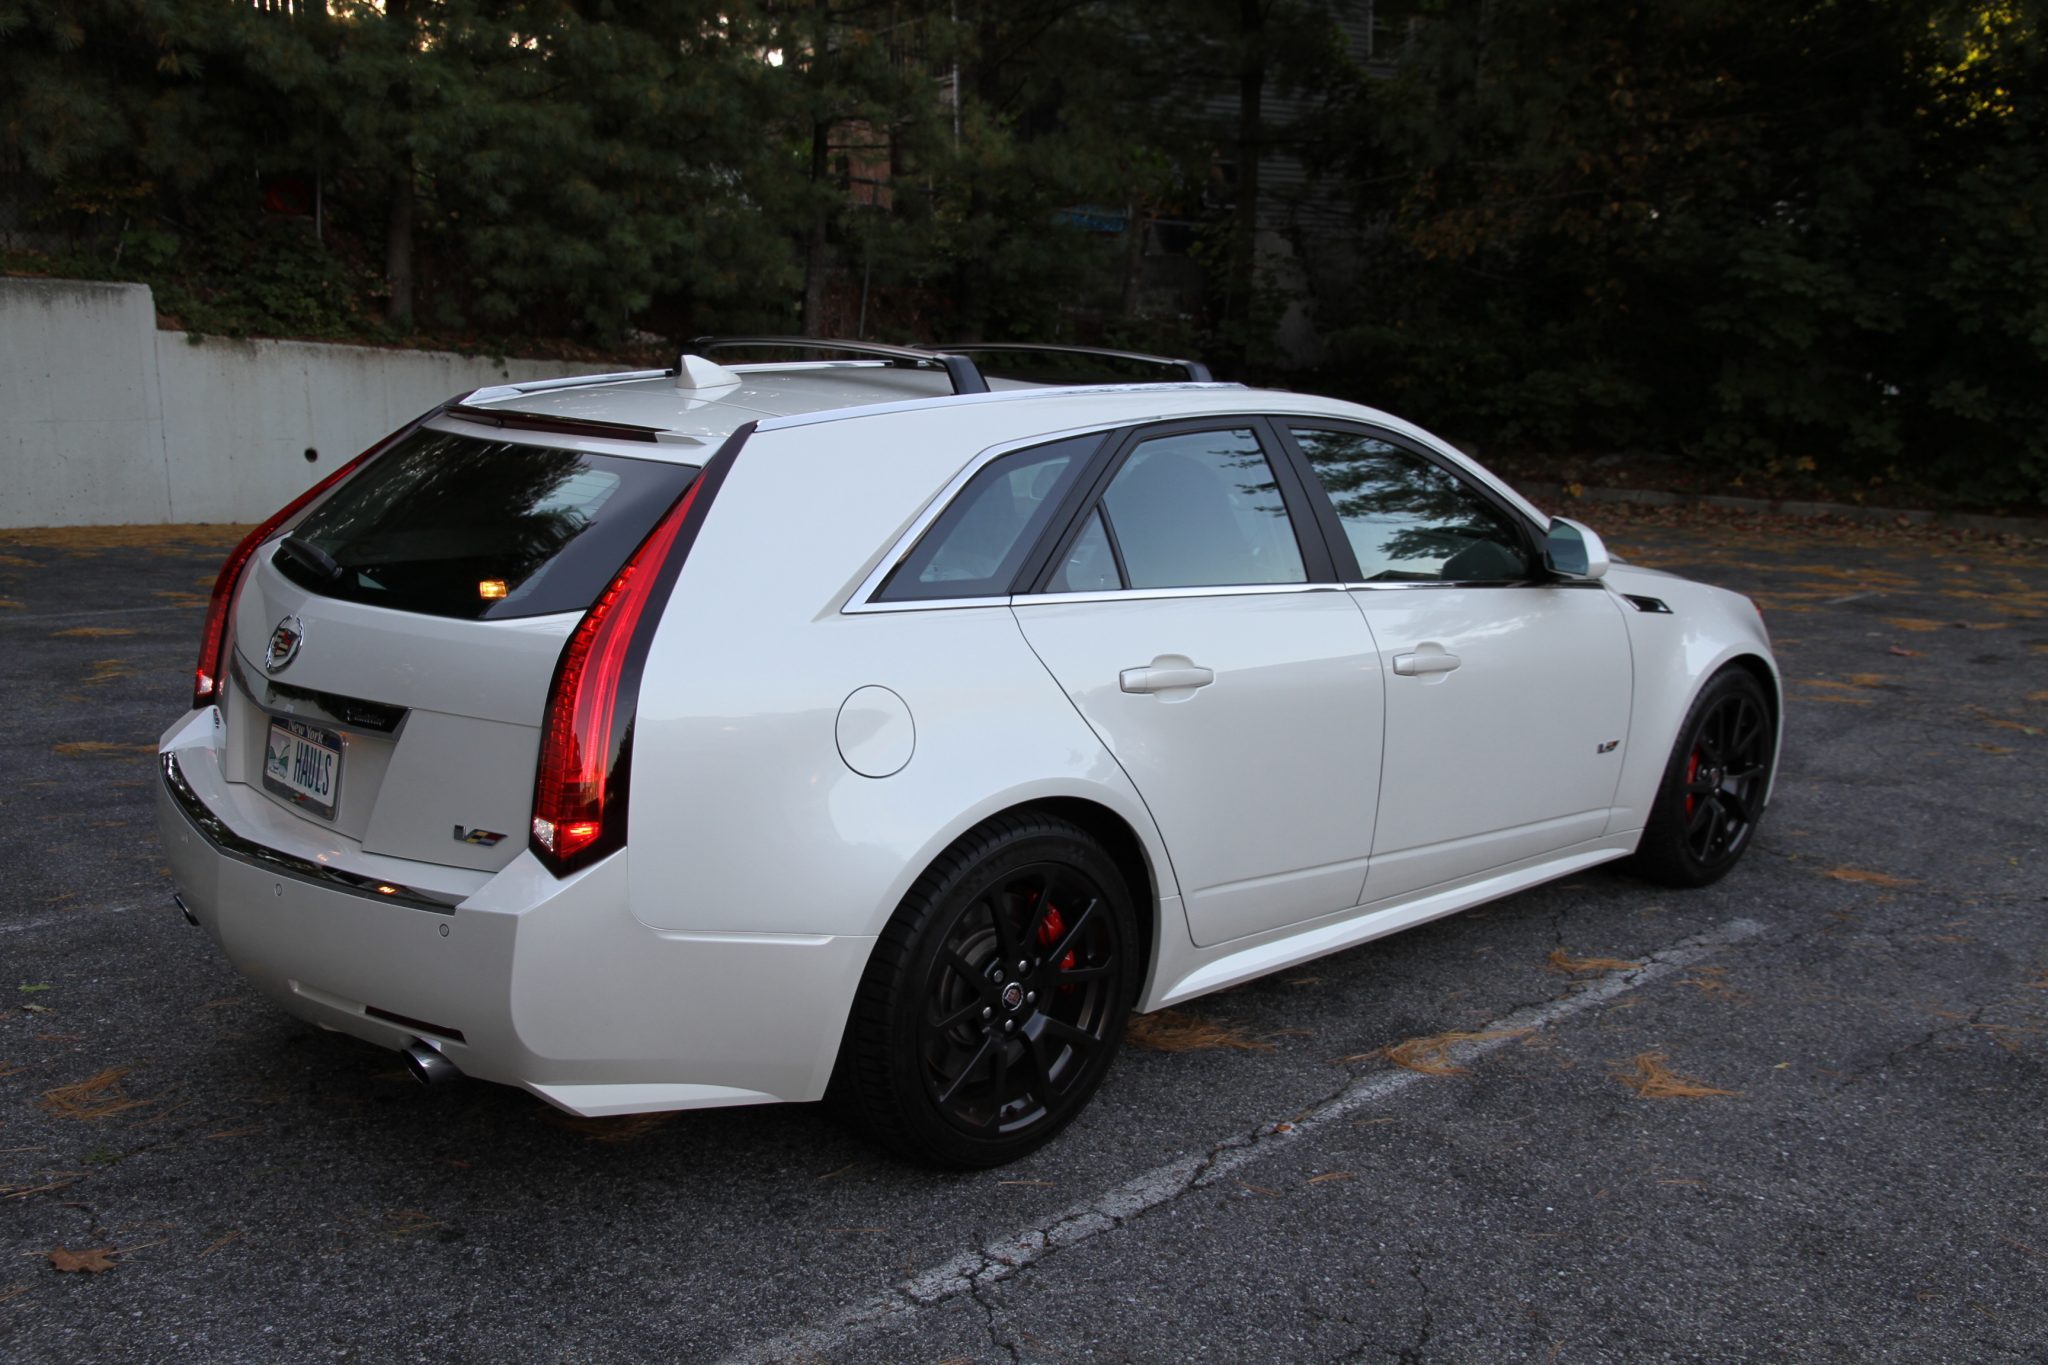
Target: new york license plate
[{"x": 303, "y": 762}]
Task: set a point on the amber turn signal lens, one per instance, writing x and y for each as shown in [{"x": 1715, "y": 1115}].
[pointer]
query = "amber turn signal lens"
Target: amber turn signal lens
[{"x": 491, "y": 589}]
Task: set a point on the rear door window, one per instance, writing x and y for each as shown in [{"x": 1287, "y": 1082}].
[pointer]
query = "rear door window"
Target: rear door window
[
  {"x": 1195, "y": 509},
  {"x": 449, "y": 525}
]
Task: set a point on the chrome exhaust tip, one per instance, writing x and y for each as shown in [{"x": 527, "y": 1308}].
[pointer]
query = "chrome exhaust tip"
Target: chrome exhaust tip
[
  {"x": 428, "y": 1066},
  {"x": 184, "y": 910}
]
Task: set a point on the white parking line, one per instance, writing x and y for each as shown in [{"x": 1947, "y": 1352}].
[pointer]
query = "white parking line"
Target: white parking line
[{"x": 1004, "y": 1257}]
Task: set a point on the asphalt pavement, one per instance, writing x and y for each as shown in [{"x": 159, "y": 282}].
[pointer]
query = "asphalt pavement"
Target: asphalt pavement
[{"x": 1797, "y": 1115}]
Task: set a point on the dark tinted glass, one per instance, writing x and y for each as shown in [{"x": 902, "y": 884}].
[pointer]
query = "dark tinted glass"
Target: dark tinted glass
[
  {"x": 978, "y": 544},
  {"x": 1200, "y": 509},
  {"x": 1091, "y": 565},
  {"x": 1409, "y": 519},
  {"x": 455, "y": 526}
]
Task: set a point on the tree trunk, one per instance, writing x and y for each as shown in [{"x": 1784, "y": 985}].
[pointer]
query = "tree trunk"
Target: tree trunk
[
  {"x": 821, "y": 221},
  {"x": 1244, "y": 246},
  {"x": 398, "y": 227},
  {"x": 398, "y": 248}
]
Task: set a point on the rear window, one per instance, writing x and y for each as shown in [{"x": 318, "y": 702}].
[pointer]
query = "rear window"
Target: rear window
[
  {"x": 977, "y": 546},
  {"x": 448, "y": 525}
]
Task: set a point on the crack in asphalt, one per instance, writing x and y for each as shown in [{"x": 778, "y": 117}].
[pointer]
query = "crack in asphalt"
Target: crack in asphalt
[
  {"x": 989, "y": 1312},
  {"x": 1427, "y": 1328},
  {"x": 970, "y": 1271}
]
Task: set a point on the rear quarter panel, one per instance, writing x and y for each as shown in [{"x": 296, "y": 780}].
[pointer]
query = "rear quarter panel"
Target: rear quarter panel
[{"x": 744, "y": 817}]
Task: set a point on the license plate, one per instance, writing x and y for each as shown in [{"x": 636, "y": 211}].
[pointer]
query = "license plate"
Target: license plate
[{"x": 303, "y": 762}]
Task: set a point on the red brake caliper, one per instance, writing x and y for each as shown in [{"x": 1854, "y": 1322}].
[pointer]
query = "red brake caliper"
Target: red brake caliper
[
  {"x": 1692, "y": 772},
  {"x": 1049, "y": 931}
]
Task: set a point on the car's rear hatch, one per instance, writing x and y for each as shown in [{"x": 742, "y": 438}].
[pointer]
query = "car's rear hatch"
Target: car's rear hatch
[{"x": 393, "y": 651}]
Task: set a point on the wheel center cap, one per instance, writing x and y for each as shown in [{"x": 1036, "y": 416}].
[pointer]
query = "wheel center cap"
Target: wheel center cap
[{"x": 1013, "y": 995}]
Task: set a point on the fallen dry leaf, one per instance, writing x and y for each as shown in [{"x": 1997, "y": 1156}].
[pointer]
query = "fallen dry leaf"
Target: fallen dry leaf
[
  {"x": 94, "y": 1262},
  {"x": 97, "y": 746},
  {"x": 95, "y": 1097},
  {"x": 1709, "y": 981},
  {"x": 1331, "y": 1175},
  {"x": 1653, "y": 1080},
  {"x": 1173, "y": 1031},
  {"x": 175, "y": 535},
  {"x": 1905, "y": 653},
  {"x": 2002, "y": 1034},
  {"x": 90, "y": 633},
  {"x": 234, "y": 1236},
  {"x": 613, "y": 1129},
  {"x": 1431, "y": 1055},
  {"x": 1565, "y": 962},
  {"x": 108, "y": 670},
  {"x": 1857, "y": 874}
]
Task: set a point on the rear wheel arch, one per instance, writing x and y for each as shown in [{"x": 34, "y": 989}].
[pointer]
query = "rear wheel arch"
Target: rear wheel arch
[
  {"x": 910, "y": 1070},
  {"x": 1126, "y": 849}
]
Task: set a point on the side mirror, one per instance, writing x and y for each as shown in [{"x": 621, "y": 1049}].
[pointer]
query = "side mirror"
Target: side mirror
[{"x": 1573, "y": 550}]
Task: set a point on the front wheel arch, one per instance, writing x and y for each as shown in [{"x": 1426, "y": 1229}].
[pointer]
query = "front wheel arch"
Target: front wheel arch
[{"x": 1716, "y": 780}]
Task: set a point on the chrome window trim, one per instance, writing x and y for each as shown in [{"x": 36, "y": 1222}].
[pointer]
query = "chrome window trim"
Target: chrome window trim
[
  {"x": 862, "y": 599},
  {"x": 1040, "y": 599},
  {"x": 1475, "y": 583},
  {"x": 926, "y": 604},
  {"x": 224, "y": 840}
]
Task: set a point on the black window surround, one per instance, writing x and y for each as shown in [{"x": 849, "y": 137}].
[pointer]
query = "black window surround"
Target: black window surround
[
  {"x": 1311, "y": 536},
  {"x": 1319, "y": 532},
  {"x": 1333, "y": 525}
]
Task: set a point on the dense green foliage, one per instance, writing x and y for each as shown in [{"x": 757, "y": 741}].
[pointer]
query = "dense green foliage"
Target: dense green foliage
[
  {"x": 1769, "y": 235},
  {"x": 1776, "y": 236}
]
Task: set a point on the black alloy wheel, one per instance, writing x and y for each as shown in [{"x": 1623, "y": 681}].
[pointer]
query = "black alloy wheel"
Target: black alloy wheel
[
  {"x": 1707, "y": 810},
  {"x": 996, "y": 997}
]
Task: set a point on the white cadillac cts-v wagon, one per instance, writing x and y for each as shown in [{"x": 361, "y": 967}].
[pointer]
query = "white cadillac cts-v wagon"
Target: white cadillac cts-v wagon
[{"x": 727, "y": 734}]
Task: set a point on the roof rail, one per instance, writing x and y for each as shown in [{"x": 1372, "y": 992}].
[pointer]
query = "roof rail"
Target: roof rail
[
  {"x": 1195, "y": 370},
  {"x": 966, "y": 377}
]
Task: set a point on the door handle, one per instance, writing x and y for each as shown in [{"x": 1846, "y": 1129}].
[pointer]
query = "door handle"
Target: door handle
[
  {"x": 1165, "y": 678},
  {"x": 1427, "y": 660}
]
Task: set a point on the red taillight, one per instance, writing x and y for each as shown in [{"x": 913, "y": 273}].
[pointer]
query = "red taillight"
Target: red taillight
[
  {"x": 210, "y": 676},
  {"x": 578, "y": 799}
]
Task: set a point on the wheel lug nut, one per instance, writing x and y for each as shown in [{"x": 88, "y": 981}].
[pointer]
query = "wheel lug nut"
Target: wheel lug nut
[
  {"x": 1031, "y": 997},
  {"x": 1023, "y": 967},
  {"x": 1009, "y": 1024},
  {"x": 999, "y": 976},
  {"x": 987, "y": 1010}
]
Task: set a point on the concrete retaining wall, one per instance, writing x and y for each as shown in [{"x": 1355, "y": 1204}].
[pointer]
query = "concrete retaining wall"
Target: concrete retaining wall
[{"x": 104, "y": 420}]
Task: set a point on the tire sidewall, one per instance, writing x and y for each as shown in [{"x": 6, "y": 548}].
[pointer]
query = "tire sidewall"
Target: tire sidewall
[
  {"x": 939, "y": 908},
  {"x": 1664, "y": 852}
]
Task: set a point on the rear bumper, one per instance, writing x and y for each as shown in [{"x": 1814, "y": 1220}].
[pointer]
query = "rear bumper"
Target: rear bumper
[{"x": 516, "y": 977}]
